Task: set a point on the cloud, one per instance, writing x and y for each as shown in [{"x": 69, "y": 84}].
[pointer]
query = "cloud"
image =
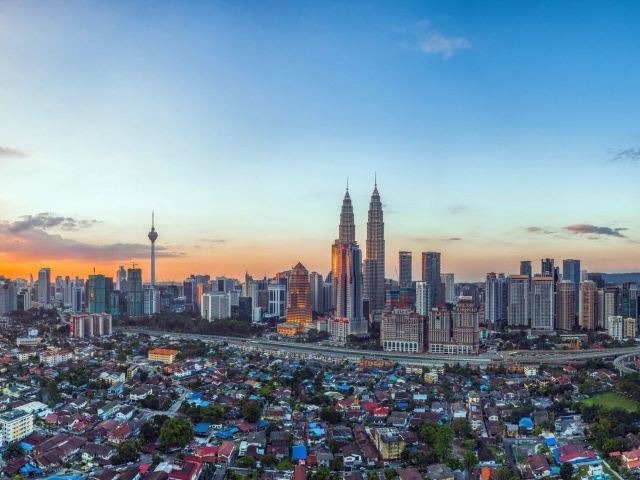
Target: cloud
[
  {"x": 213, "y": 240},
  {"x": 11, "y": 152},
  {"x": 538, "y": 230},
  {"x": 46, "y": 220},
  {"x": 582, "y": 228},
  {"x": 435, "y": 43},
  {"x": 36, "y": 243},
  {"x": 456, "y": 209},
  {"x": 455, "y": 238},
  {"x": 628, "y": 155}
]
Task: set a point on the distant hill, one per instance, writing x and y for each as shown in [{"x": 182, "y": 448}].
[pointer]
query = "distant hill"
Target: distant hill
[{"x": 620, "y": 278}]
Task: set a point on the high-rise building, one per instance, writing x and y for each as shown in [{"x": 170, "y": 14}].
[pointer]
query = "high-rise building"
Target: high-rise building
[
  {"x": 423, "y": 304},
  {"x": 8, "y": 297},
  {"x": 373, "y": 272},
  {"x": 431, "y": 275},
  {"x": 121, "y": 279},
  {"x": 135, "y": 299},
  {"x": 44, "y": 286},
  {"x": 317, "y": 292},
  {"x": 153, "y": 236},
  {"x": 615, "y": 327},
  {"x": 277, "y": 299},
  {"x": 571, "y": 271},
  {"x": 405, "y": 262},
  {"x": 215, "y": 306},
  {"x": 402, "y": 330},
  {"x": 66, "y": 296},
  {"x": 611, "y": 301},
  {"x": 542, "y": 303},
  {"x": 299, "y": 296},
  {"x": 630, "y": 327},
  {"x": 346, "y": 280},
  {"x": 96, "y": 293},
  {"x": 565, "y": 315},
  {"x": 630, "y": 300},
  {"x": 525, "y": 269},
  {"x": 447, "y": 279},
  {"x": 588, "y": 305},
  {"x": 496, "y": 304},
  {"x": 518, "y": 301},
  {"x": 149, "y": 299},
  {"x": 466, "y": 333},
  {"x": 546, "y": 267}
]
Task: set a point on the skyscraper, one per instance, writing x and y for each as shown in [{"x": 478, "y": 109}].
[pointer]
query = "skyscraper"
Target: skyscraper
[
  {"x": 466, "y": 334},
  {"x": 299, "y": 296},
  {"x": 153, "y": 236},
  {"x": 431, "y": 275},
  {"x": 571, "y": 271},
  {"x": 374, "y": 262},
  {"x": 317, "y": 292},
  {"x": 422, "y": 298},
  {"x": 588, "y": 305},
  {"x": 542, "y": 303},
  {"x": 496, "y": 304},
  {"x": 546, "y": 267},
  {"x": 565, "y": 301},
  {"x": 405, "y": 262},
  {"x": 402, "y": 330},
  {"x": 96, "y": 293},
  {"x": 134, "y": 292},
  {"x": 448, "y": 280},
  {"x": 629, "y": 299},
  {"x": 346, "y": 278},
  {"x": 525, "y": 269},
  {"x": 44, "y": 286},
  {"x": 121, "y": 279},
  {"x": 518, "y": 314}
]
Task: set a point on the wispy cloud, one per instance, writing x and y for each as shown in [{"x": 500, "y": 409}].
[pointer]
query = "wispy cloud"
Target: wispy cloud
[
  {"x": 456, "y": 209},
  {"x": 213, "y": 240},
  {"x": 435, "y": 43},
  {"x": 539, "y": 230},
  {"x": 582, "y": 228},
  {"x": 11, "y": 152},
  {"x": 627, "y": 155},
  {"x": 455, "y": 238},
  {"x": 46, "y": 220}
]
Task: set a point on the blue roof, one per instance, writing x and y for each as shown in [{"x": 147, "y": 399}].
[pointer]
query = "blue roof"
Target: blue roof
[
  {"x": 526, "y": 422},
  {"x": 26, "y": 446},
  {"x": 299, "y": 452},
  {"x": 550, "y": 441},
  {"x": 402, "y": 404},
  {"x": 202, "y": 427}
]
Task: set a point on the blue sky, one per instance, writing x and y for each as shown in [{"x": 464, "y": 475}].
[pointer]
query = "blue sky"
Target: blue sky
[{"x": 493, "y": 127}]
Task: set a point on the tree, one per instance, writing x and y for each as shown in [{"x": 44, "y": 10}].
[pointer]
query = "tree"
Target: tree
[
  {"x": 14, "y": 450},
  {"x": 251, "y": 412},
  {"x": 566, "y": 471},
  {"x": 470, "y": 461},
  {"x": 504, "y": 473},
  {"x": 390, "y": 474},
  {"x": 461, "y": 427},
  {"x": 336, "y": 464},
  {"x": 246, "y": 462},
  {"x": 444, "y": 440},
  {"x": 125, "y": 452},
  {"x": 268, "y": 460},
  {"x": 176, "y": 432}
]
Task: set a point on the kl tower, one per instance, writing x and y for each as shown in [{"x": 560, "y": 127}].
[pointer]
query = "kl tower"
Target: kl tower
[{"x": 153, "y": 235}]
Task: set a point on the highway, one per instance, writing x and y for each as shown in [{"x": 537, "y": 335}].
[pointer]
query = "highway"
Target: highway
[{"x": 425, "y": 359}]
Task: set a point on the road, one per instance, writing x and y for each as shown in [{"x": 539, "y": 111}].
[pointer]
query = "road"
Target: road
[{"x": 425, "y": 359}]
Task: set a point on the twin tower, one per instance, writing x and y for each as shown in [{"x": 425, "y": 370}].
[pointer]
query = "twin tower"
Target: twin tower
[{"x": 352, "y": 279}]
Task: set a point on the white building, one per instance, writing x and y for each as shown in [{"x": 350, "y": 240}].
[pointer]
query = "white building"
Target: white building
[
  {"x": 422, "y": 298},
  {"x": 278, "y": 300},
  {"x": 615, "y": 326},
  {"x": 215, "y": 306},
  {"x": 449, "y": 287},
  {"x": 150, "y": 299},
  {"x": 542, "y": 303},
  {"x": 15, "y": 425}
]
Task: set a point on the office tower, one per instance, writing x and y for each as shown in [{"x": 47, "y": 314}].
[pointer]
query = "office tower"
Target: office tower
[
  {"x": 584, "y": 276},
  {"x": 346, "y": 234},
  {"x": 189, "y": 293},
  {"x": 518, "y": 313},
  {"x": 465, "y": 321},
  {"x": 277, "y": 300},
  {"x": 8, "y": 297},
  {"x": 630, "y": 300},
  {"x": 405, "y": 261},
  {"x": 77, "y": 297},
  {"x": 525, "y": 269},
  {"x": 571, "y": 271},
  {"x": 630, "y": 327},
  {"x": 44, "y": 286},
  {"x": 588, "y": 305},
  {"x": 96, "y": 293},
  {"x": 215, "y": 306},
  {"x": 317, "y": 292},
  {"x": 565, "y": 315},
  {"x": 245, "y": 309},
  {"x": 23, "y": 299},
  {"x": 596, "y": 277},
  {"x": 299, "y": 296},
  {"x": 373, "y": 272},
  {"x": 121, "y": 279},
  {"x": 611, "y": 301},
  {"x": 440, "y": 330},
  {"x": 431, "y": 275},
  {"x": 135, "y": 301},
  {"x": 66, "y": 296},
  {"x": 423, "y": 304},
  {"x": 447, "y": 279},
  {"x": 326, "y": 294},
  {"x": 542, "y": 307},
  {"x": 149, "y": 299},
  {"x": 114, "y": 304},
  {"x": 153, "y": 236},
  {"x": 496, "y": 302},
  {"x": 402, "y": 330},
  {"x": 546, "y": 267}
]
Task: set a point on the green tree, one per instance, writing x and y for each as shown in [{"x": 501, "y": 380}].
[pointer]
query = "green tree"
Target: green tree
[
  {"x": 461, "y": 427},
  {"x": 14, "y": 450},
  {"x": 337, "y": 464},
  {"x": 284, "y": 464},
  {"x": 246, "y": 462},
  {"x": 390, "y": 473},
  {"x": 125, "y": 452},
  {"x": 251, "y": 412},
  {"x": 268, "y": 460},
  {"x": 504, "y": 473},
  {"x": 470, "y": 461},
  {"x": 566, "y": 471},
  {"x": 176, "y": 432},
  {"x": 443, "y": 443}
]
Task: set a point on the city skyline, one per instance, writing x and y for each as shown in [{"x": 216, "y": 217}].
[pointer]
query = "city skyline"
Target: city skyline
[{"x": 499, "y": 133}]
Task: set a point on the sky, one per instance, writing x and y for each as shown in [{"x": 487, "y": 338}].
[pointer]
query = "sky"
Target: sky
[{"x": 498, "y": 131}]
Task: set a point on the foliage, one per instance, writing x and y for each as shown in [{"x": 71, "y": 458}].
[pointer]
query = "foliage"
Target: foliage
[
  {"x": 251, "y": 412},
  {"x": 125, "y": 452},
  {"x": 268, "y": 460},
  {"x": 337, "y": 464},
  {"x": 470, "y": 460},
  {"x": 504, "y": 473},
  {"x": 284, "y": 464},
  {"x": 14, "y": 450},
  {"x": 462, "y": 428},
  {"x": 443, "y": 443},
  {"x": 566, "y": 471},
  {"x": 390, "y": 473},
  {"x": 330, "y": 415},
  {"x": 246, "y": 462},
  {"x": 176, "y": 432}
]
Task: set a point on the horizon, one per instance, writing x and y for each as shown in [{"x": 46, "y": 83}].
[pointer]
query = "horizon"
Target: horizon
[{"x": 497, "y": 132}]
